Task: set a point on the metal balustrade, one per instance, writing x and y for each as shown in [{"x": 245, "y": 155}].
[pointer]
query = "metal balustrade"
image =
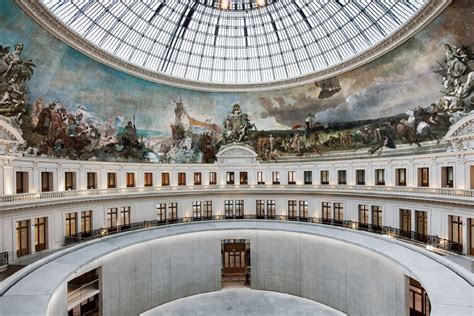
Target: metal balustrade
[
  {"x": 4, "y": 258},
  {"x": 426, "y": 240},
  {"x": 443, "y": 192}
]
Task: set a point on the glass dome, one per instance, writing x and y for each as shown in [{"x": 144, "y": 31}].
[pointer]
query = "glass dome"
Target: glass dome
[{"x": 234, "y": 41}]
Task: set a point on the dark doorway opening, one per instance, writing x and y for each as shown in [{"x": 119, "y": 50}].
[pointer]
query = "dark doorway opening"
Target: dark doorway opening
[
  {"x": 419, "y": 301},
  {"x": 236, "y": 263}
]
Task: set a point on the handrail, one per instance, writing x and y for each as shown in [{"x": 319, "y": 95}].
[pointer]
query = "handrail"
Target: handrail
[
  {"x": 430, "y": 241},
  {"x": 71, "y": 294},
  {"x": 25, "y": 197},
  {"x": 3, "y": 258}
]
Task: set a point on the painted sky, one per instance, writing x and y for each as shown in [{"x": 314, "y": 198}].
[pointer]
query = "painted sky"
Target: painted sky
[{"x": 392, "y": 84}]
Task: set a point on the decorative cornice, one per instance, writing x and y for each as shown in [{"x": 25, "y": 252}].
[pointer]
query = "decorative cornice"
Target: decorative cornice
[
  {"x": 236, "y": 153},
  {"x": 47, "y": 20},
  {"x": 460, "y": 136}
]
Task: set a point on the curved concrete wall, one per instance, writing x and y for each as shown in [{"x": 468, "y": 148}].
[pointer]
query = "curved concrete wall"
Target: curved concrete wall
[
  {"x": 339, "y": 275},
  {"x": 351, "y": 271}
]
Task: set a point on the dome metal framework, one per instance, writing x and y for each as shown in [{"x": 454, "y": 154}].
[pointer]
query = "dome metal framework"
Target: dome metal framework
[{"x": 234, "y": 42}]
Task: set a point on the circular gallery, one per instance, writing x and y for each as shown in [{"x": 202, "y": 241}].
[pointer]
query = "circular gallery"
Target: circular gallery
[{"x": 236, "y": 157}]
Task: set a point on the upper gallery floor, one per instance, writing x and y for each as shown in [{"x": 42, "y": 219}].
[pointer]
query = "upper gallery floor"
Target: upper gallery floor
[{"x": 447, "y": 175}]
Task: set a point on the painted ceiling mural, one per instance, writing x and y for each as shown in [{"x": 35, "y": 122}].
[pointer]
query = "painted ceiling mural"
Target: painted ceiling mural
[{"x": 68, "y": 105}]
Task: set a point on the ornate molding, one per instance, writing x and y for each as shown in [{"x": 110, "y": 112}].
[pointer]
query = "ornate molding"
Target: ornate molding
[
  {"x": 460, "y": 136},
  {"x": 236, "y": 153},
  {"x": 10, "y": 137},
  {"x": 47, "y": 20}
]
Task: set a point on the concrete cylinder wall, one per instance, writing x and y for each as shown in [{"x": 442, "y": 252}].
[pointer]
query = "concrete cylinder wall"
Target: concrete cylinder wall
[{"x": 343, "y": 276}]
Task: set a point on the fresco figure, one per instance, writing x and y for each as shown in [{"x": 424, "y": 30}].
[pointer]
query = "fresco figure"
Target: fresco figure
[
  {"x": 456, "y": 59},
  {"x": 14, "y": 72},
  {"x": 236, "y": 126}
]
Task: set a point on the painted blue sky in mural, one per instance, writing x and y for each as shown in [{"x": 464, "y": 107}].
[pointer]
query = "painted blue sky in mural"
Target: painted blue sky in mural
[{"x": 393, "y": 84}]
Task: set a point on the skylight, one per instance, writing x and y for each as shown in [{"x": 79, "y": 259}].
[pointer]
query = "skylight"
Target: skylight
[{"x": 238, "y": 42}]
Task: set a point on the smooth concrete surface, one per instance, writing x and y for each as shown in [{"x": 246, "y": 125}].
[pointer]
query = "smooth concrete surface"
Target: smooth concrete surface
[
  {"x": 243, "y": 302},
  {"x": 354, "y": 272}
]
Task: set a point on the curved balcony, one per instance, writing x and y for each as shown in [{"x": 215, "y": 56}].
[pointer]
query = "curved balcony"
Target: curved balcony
[
  {"x": 443, "y": 195},
  {"x": 447, "y": 285},
  {"x": 433, "y": 243}
]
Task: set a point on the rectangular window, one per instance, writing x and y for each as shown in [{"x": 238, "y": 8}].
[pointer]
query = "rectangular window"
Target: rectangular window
[
  {"x": 291, "y": 177},
  {"x": 308, "y": 177},
  {"x": 423, "y": 177},
  {"x": 181, "y": 178},
  {"x": 243, "y": 178},
  {"x": 207, "y": 209},
  {"x": 380, "y": 176},
  {"x": 377, "y": 216},
  {"x": 363, "y": 215},
  {"x": 161, "y": 212},
  {"x": 212, "y": 178},
  {"x": 260, "y": 208},
  {"x": 21, "y": 182},
  {"x": 455, "y": 231},
  {"x": 276, "y": 177},
  {"x": 46, "y": 181},
  {"x": 230, "y": 178},
  {"x": 271, "y": 208},
  {"x": 419, "y": 302},
  {"x": 173, "y": 211},
  {"x": 91, "y": 180},
  {"x": 239, "y": 208},
  {"x": 40, "y": 233},
  {"x": 71, "y": 224},
  {"x": 130, "y": 179},
  {"x": 401, "y": 177},
  {"x": 360, "y": 177},
  {"x": 324, "y": 176},
  {"x": 112, "y": 215},
  {"x": 338, "y": 212},
  {"x": 229, "y": 208},
  {"x": 165, "y": 179},
  {"x": 86, "y": 222},
  {"x": 326, "y": 210},
  {"x": 341, "y": 177},
  {"x": 421, "y": 223},
  {"x": 148, "y": 179},
  {"x": 197, "y": 178},
  {"x": 69, "y": 181},
  {"x": 292, "y": 211},
  {"x": 125, "y": 216},
  {"x": 111, "y": 180},
  {"x": 260, "y": 177},
  {"x": 303, "y": 209},
  {"x": 22, "y": 238},
  {"x": 447, "y": 177},
  {"x": 405, "y": 223},
  {"x": 197, "y": 209}
]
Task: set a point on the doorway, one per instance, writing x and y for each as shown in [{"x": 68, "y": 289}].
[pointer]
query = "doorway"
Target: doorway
[
  {"x": 40, "y": 233},
  {"x": 22, "y": 238},
  {"x": 419, "y": 301},
  {"x": 470, "y": 226},
  {"x": 235, "y": 263}
]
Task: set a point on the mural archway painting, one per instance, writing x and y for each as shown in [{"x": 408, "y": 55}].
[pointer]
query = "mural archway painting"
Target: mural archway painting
[{"x": 67, "y": 105}]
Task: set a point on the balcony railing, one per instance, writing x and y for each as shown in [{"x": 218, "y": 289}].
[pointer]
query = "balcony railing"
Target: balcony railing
[
  {"x": 3, "y": 259},
  {"x": 83, "y": 292},
  {"x": 425, "y": 240},
  {"x": 443, "y": 192}
]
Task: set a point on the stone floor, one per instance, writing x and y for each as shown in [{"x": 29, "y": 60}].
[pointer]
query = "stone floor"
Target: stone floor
[{"x": 243, "y": 301}]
